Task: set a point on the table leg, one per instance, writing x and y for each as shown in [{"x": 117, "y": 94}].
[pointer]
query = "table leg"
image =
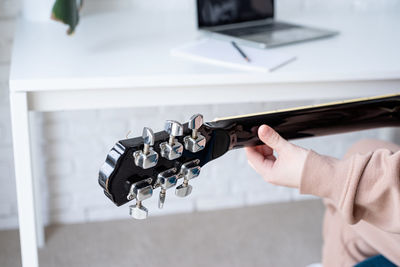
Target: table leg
[
  {"x": 36, "y": 175},
  {"x": 23, "y": 177}
]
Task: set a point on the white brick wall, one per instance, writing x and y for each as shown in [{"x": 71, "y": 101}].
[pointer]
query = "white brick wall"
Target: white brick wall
[
  {"x": 8, "y": 210},
  {"x": 72, "y": 146}
]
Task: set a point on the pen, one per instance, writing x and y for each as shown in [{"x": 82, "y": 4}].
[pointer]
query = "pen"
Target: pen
[{"x": 240, "y": 51}]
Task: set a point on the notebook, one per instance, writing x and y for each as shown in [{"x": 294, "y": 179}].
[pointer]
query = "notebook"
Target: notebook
[{"x": 223, "y": 53}]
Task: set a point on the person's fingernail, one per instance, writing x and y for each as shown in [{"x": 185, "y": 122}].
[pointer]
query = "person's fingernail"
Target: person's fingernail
[{"x": 263, "y": 130}]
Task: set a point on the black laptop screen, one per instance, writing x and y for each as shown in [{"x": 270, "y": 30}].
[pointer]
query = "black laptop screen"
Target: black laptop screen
[{"x": 221, "y": 12}]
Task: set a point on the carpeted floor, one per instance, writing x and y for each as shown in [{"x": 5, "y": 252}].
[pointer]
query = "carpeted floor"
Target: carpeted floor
[{"x": 284, "y": 234}]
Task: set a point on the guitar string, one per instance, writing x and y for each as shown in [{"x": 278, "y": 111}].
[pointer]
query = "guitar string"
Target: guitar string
[{"x": 305, "y": 107}]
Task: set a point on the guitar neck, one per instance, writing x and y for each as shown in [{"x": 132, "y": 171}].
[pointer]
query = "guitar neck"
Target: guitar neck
[{"x": 319, "y": 120}]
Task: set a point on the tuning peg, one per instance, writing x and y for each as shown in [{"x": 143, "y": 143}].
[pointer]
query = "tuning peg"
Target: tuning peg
[
  {"x": 148, "y": 157},
  {"x": 189, "y": 171},
  {"x": 172, "y": 149},
  {"x": 166, "y": 180},
  {"x": 196, "y": 141},
  {"x": 148, "y": 139},
  {"x": 139, "y": 191}
]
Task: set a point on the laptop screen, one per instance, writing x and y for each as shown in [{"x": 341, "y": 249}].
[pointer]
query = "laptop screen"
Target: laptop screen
[{"x": 222, "y": 12}]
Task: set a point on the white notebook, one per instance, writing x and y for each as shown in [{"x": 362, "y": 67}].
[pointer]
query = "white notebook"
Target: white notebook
[{"x": 223, "y": 53}]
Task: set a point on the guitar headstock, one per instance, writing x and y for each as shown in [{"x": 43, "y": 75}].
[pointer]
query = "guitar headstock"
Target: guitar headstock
[{"x": 135, "y": 167}]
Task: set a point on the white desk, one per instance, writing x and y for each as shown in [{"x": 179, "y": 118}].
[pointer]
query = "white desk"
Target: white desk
[{"x": 114, "y": 61}]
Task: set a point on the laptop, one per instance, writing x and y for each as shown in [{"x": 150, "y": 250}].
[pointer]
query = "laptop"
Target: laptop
[{"x": 252, "y": 22}]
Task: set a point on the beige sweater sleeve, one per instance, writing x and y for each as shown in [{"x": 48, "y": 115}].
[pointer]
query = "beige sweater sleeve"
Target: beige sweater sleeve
[{"x": 363, "y": 187}]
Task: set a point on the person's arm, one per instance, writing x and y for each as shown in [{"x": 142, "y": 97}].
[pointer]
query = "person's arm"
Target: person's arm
[{"x": 363, "y": 187}]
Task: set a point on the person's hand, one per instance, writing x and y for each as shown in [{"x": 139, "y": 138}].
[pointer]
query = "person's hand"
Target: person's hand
[{"x": 286, "y": 168}]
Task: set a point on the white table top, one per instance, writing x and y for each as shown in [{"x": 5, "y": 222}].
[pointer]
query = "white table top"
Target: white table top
[{"x": 118, "y": 50}]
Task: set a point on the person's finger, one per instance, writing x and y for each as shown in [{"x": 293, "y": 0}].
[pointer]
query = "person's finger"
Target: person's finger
[
  {"x": 264, "y": 150},
  {"x": 271, "y": 138},
  {"x": 253, "y": 155},
  {"x": 271, "y": 158},
  {"x": 257, "y": 160}
]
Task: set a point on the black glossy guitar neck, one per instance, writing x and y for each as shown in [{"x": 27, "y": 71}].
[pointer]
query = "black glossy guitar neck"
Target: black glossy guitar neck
[{"x": 314, "y": 120}]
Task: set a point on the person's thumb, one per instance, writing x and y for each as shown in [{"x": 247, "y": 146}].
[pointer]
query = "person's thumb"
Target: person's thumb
[{"x": 271, "y": 138}]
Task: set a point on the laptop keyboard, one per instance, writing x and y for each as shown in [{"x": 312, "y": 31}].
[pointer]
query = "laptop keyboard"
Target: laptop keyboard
[{"x": 258, "y": 29}]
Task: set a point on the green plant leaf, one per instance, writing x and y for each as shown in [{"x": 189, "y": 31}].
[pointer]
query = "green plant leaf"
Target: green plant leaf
[{"x": 67, "y": 11}]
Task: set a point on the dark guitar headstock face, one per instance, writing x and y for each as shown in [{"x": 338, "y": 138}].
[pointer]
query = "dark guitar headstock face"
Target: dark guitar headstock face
[{"x": 165, "y": 160}]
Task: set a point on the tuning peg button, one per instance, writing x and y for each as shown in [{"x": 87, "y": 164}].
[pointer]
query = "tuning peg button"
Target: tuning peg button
[
  {"x": 173, "y": 128},
  {"x": 148, "y": 139},
  {"x": 147, "y": 157},
  {"x": 139, "y": 191},
  {"x": 172, "y": 149},
  {"x": 138, "y": 212},
  {"x": 195, "y": 122},
  {"x": 183, "y": 190},
  {"x": 196, "y": 141}
]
